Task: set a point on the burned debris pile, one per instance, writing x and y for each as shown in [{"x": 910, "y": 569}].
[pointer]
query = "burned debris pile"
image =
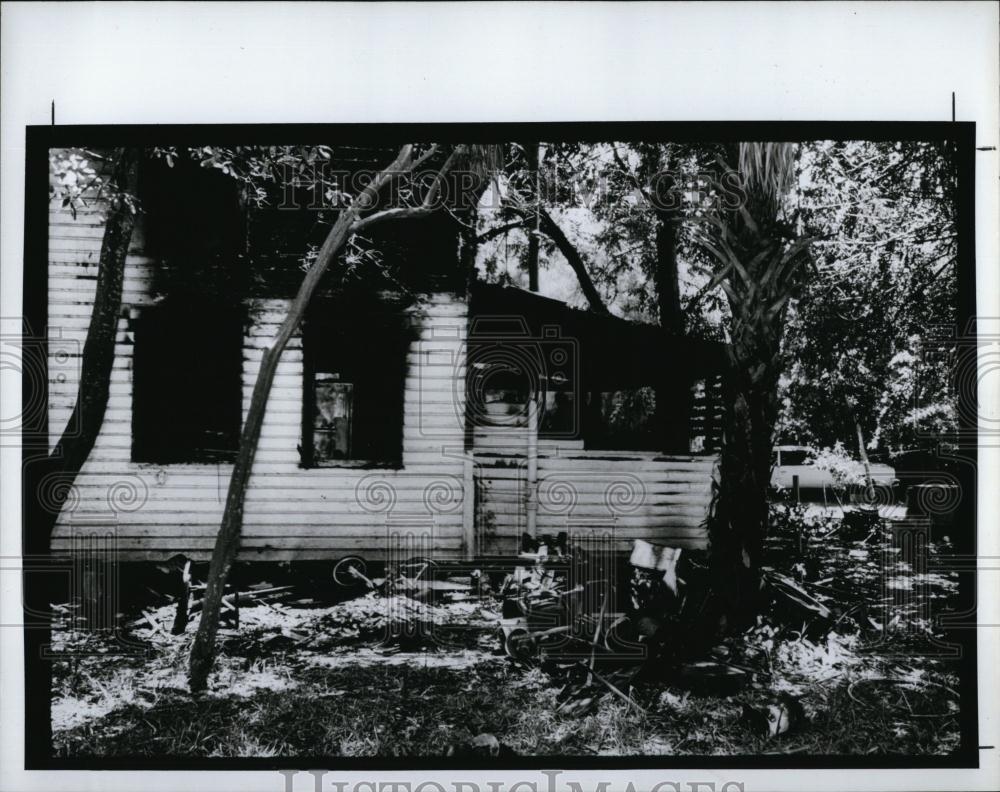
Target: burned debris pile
[{"x": 599, "y": 634}]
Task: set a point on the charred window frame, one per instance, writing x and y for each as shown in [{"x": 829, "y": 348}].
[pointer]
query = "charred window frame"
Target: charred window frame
[
  {"x": 187, "y": 386},
  {"x": 354, "y": 372},
  {"x": 188, "y": 346}
]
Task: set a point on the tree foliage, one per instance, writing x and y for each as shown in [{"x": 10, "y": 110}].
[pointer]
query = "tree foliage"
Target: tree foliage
[
  {"x": 884, "y": 287},
  {"x": 612, "y": 201}
]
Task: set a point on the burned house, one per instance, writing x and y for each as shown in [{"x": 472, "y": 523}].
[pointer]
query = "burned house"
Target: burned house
[{"x": 426, "y": 415}]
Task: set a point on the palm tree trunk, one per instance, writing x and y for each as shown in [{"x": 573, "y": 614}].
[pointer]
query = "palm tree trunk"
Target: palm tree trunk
[
  {"x": 760, "y": 269},
  {"x": 741, "y": 511}
]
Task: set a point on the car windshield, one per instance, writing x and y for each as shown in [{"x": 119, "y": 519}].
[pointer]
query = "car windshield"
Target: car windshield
[{"x": 795, "y": 457}]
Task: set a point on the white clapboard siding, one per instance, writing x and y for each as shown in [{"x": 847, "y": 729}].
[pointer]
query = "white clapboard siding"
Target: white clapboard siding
[
  {"x": 623, "y": 496},
  {"x": 155, "y": 511}
]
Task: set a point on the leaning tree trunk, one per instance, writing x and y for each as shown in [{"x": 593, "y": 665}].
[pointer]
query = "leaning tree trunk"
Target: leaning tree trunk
[
  {"x": 863, "y": 453},
  {"x": 227, "y": 541},
  {"x": 80, "y": 434},
  {"x": 551, "y": 229}
]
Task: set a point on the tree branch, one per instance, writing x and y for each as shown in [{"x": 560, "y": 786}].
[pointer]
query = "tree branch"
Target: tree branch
[
  {"x": 499, "y": 230},
  {"x": 632, "y": 177},
  {"x": 708, "y": 287},
  {"x": 426, "y": 206},
  {"x": 551, "y": 229}
]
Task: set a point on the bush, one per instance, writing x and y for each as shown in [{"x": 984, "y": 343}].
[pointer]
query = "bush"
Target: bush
[
  {"x": 790, "y": 519},
  {"x": 860, "y": 523},
  {"x": 845, "y": 470}
]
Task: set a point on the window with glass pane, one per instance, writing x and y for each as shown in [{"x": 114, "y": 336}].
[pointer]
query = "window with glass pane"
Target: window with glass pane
[
  {"x": 332, "y": 420},
  {"x": 353, "y": 392}
]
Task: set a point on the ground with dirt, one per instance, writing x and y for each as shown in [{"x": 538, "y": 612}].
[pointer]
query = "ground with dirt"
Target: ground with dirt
[{"x": 850, "y": 661}]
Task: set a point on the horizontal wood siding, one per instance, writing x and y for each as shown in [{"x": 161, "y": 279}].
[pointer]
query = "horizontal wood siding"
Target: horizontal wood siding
[
  {"x": 623, "y": 496},
  {"x": 154, "y": 511}
]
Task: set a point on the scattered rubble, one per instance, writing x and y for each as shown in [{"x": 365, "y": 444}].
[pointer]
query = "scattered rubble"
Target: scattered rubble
[{"x": 587, "y": 644}]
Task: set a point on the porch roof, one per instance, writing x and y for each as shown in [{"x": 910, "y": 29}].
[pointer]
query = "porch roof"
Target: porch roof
[{"x": 613, "y": 350}]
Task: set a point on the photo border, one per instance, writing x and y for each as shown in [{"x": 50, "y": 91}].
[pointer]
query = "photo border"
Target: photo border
[{"x": 37, "y": 585}]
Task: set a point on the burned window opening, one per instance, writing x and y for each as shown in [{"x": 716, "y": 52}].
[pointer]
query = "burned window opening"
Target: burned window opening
[
  {"x": 352, "y": 407},
  {"x": 194, "y": 223},
  {"x": 186, "y": 381}
]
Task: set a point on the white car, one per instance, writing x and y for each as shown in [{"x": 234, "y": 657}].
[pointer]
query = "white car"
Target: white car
[{"x": 789, "y": 461}]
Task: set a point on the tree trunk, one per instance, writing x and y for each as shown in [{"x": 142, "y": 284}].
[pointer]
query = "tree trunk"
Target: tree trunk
[
  {"x": 533, "y": 228},
  {"x": 758, "y": 295},
  {"x": 759, "y": 263},
  {"x": 863, "y": 453},
  {"x": 668, "y": 294},
  {"x": 85, "y": 422},
  {"x": 673, "y": 394},
  {"x": 469, "y": 241},
  {"x": 740, "y": 519},
  {"x": 741, "y": 510},
  {"x": 227, "y": 541}
]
